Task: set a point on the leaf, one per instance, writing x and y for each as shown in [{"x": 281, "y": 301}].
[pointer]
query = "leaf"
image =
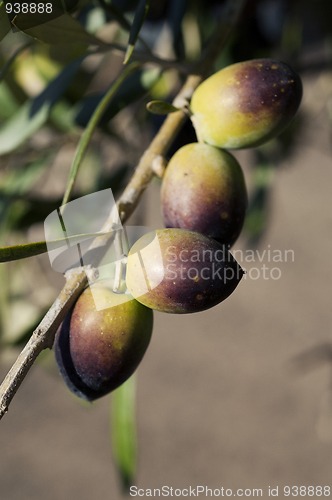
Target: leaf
[
  {"x": 140, "y": 14},
  {"x": 161, "y": 107},
  {"x": 123, "y": 431},
  {"x": 13, "y": 188},
  {"x": 135, "y": 87},
  {"x": 91, "y": 127},
  {"x": 34, "y": 113},
  {"x": 8, "y": 104},
  {"x": 17, "y": 252},
  {"x": 10, "y": 61},
  {"x": 4, "y": 21},
  {"x": 63, "y": 30}
]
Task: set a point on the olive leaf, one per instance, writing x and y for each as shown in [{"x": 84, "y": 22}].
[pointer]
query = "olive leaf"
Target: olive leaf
[
  {"x": 123, "y": 431},
  {"x": 140, "y": 14},
  {"x": 22, "y": 251},
  {"x": 35, "y": 112},
  {"x": 161, "y": 107},
  {"x": 11, "y": 60},
  {"x": 62, "y": 30},
  {"x": 4, "y": 21}
]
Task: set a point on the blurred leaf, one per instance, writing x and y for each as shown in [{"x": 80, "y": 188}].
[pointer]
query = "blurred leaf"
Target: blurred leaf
[
  {"x": 161, "y": 107},
  {"x": 18, "y": 181},
  {"x": 22, "y": 126},
  {"x": 91, "y": 126},
  {"x": 8, "y": 105},
  {"x": 123, "y": 431},
  {"x": 34, "y": 113},
  {"x": 176, "y": 14},
  {"x": 258, "y": 211},
  {"x": 13, "y": 187},
  {"x": 63, "y": 30},
  {"x": 10, "y": 61},
  {"x": 140, "y": 15},
  {"x": 135, "y": 87},
  {"x": 4, "y": 21}
]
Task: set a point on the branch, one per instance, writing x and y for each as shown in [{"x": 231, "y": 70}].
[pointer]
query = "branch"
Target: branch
[{"x": 76, "y": 279}]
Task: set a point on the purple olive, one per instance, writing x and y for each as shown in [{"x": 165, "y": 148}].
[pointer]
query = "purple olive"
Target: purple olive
[
  {"x": 180, "y": 271},
  {"x": 98, "y": 350},
  {"x": 204, "y": 190}
]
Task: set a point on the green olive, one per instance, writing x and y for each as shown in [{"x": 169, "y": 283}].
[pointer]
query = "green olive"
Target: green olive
[{"x": 246, "y": 104}]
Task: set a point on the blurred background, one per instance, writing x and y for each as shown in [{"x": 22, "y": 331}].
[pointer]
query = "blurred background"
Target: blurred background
[{"x": 239, "y": 396}]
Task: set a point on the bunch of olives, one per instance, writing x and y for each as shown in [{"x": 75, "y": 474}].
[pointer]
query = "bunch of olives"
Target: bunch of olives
[{"x": 186, "y": 267}]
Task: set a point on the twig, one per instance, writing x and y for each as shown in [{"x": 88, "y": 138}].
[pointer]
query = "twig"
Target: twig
[
  {"x": 76, "y": 280},
  {"x": 41, "y": 338}
]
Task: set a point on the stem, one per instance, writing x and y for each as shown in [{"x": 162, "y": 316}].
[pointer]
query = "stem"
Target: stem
[
  {"x": 41, "y": 338},
  {"x": 76, "y": 279}
]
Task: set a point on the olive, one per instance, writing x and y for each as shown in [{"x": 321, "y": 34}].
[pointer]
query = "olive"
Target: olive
[
  {"x": 204, "y": 190},
  {"x": 99, "y": 349},
  {"x": 180, "y": 271},
  {"x": 245, "y": 104}
]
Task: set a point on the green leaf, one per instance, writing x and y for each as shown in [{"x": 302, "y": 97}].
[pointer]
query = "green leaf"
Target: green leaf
[
  {"x": 140, "y": 15},
  {"x": 13, "y": 188},
  {"x": 34, "y": 113},
  {"x": 63, "y": 30},
  {"x": 4, "y": 21},
  {"x": 89, "y": 131},
  {"x": 161, "y": 107},
  {"x": 10, "y": 61},
  {"x": 123, "y": 431},
  {"x": 134, "y": 88},
  {"x": 8, "y": 104},
  {"x": 17, "y": 252}
]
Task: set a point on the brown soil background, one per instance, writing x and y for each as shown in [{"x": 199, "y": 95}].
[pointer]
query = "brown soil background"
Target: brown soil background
[{"x": 219, "y": 400}]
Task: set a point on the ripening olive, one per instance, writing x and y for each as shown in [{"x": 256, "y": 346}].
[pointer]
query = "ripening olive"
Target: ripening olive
[
  {"x": 180, "y": 271},
  {"x": 246, "y": 104},
  {"x": 204, "y": 190},
  {"x": 98, "y": 350}
]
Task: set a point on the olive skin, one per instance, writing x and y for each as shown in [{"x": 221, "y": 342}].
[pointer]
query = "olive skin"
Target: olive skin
[
  {"x": 180, "y": 271},
  {"x": 203, "y": 190},
  {"x": 98, "y": 350},
  {"x": 246, "y": 104}
]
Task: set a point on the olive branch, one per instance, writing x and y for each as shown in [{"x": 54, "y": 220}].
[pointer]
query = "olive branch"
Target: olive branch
[{"x": 150, "y": 164}]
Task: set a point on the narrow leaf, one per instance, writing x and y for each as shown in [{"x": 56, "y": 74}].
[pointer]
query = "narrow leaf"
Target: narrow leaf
[
  {"x": 4, "y": 21},
  {"x": 17, "y": 252},
  {"x": 135, "y": 87},
  {"x": 140, "y": 15},
  {"x": 161, "y": 107},
  {"x": 10, "y": 61},
  {"x": 63, "y": 30},
  {"x": 88, "y": 132},
  {"x": 123, "y": 431},
  {"x": 34, "y": 113}
]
